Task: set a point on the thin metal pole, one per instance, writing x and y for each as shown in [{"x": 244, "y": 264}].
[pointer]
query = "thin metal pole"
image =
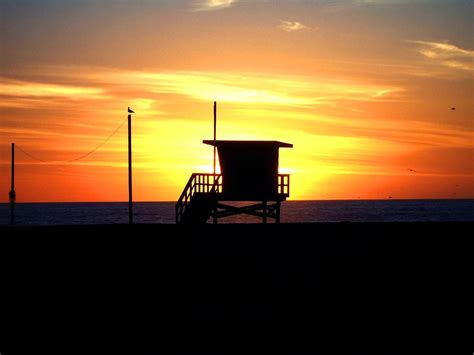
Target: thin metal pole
[
  {"x": 215, "y": 149},
  {"x": 130, "y": 203},
  {"x": 12, "y": 194},
  {"x": 215, "y": 131}
]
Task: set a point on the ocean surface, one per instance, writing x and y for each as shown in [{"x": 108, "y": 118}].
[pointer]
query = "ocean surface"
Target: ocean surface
[{"x": 291, "y": 212}]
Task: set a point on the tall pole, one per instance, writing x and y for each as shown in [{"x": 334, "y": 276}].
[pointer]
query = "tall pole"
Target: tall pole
[
  {"x": 130, "y": 203},
  {"x": 215, "y": 187},
  {"x": 215, "y": 148},
  {"x": 12, "y": 194}
]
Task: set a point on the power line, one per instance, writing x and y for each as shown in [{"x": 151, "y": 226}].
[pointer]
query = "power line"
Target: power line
[
  {"x": 75, "y": 159},
  {"x": 29, "y": 155},
  {"x": 99, "y": 146}
]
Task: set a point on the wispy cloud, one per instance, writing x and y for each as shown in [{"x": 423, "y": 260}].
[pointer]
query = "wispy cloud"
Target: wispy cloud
[
  {"x": 245, "y": 88},
  {"x": 291, "y": 26},
  {"x": 28, "y": 89},
  {"x": 348, "y": 5},
  {"x": 211, "y": 5},
  {"x": 446, "y": 54},
  {"x": 223, "y": 87},
  {"x": 248, "y": 88},
  {"x": 388, "y": 2}
]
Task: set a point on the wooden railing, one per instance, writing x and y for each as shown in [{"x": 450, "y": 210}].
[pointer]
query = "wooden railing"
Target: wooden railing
[
  {"x": 197, "y": 183},
  {"x": 210, "y": 183}
]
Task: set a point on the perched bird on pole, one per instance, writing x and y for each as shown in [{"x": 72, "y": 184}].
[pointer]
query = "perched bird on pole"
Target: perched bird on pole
[{"x": 130, "y": 111}]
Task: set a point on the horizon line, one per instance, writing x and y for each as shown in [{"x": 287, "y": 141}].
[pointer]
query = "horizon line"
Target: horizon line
[{"x": 296, "y": 200}]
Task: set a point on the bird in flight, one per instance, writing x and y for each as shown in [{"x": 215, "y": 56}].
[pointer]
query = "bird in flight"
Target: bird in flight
[
  {"x": 413, "y": 171},
  {"x": 453, "y": 108},
  {"x": 130, "y": 111}
]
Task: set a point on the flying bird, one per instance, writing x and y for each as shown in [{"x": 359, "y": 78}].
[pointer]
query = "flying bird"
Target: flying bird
[
  {"x": 413, "y": 171},
  {"x": 453, "y": 108},
  {"x": 130, "y": 111}
]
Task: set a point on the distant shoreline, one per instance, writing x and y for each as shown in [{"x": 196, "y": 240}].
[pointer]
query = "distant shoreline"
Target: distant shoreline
[
  {"x": 354, "y": 211},
  {"x": 289, "y": 200}
]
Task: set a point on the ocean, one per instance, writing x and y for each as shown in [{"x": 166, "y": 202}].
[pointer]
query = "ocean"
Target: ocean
[{"x": 291, "y": 212}]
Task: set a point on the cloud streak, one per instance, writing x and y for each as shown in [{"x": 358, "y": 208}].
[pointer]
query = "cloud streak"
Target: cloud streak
[
  {"x": 251, "y": 88},
  {"x": 29, "y": 89},
  {"x": 446, "y": 54},
  {"x": 244, "y": 88},
  {"x": 212, "y": 5},
  {"x": 387, "y": 2},
  {"x": 292, "y": 26}
]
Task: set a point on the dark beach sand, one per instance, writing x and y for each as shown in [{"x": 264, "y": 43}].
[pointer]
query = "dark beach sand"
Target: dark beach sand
[{"x": 388, "y": 288}]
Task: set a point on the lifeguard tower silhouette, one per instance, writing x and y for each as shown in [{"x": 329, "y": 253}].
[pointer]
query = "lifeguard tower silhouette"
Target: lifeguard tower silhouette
[{"x": 249, "y": 172}]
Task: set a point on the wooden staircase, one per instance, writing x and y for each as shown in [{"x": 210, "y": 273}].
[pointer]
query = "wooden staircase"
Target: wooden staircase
[
  {"x": 202, "y": 194},
  {"x": 198, "y": 199}
]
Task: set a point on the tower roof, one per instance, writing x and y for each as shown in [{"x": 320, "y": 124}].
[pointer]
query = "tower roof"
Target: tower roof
[{"x": 233, "y": 143}]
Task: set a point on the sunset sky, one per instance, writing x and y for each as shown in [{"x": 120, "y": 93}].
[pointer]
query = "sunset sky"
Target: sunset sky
[{"x": 363, "y": 89}]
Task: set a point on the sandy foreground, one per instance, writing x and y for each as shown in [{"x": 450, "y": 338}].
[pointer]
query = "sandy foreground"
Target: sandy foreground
[{"x": 291, "y": 288}]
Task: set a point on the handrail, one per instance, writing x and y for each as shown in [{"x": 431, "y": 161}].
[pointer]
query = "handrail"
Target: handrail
[
  {"x": 210, "y": 183},
  {"x": 201, "y": 183}
]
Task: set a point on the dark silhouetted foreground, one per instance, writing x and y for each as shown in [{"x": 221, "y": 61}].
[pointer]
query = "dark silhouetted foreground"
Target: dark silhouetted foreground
[{"x": 299, "y": 289}]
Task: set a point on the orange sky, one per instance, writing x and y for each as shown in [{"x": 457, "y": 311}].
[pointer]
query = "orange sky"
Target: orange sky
[{"x": 363, "y": 89}]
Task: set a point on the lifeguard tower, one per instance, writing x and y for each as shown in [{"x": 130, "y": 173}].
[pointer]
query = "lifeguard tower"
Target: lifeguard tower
[{"x": 249, "y": 172}]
